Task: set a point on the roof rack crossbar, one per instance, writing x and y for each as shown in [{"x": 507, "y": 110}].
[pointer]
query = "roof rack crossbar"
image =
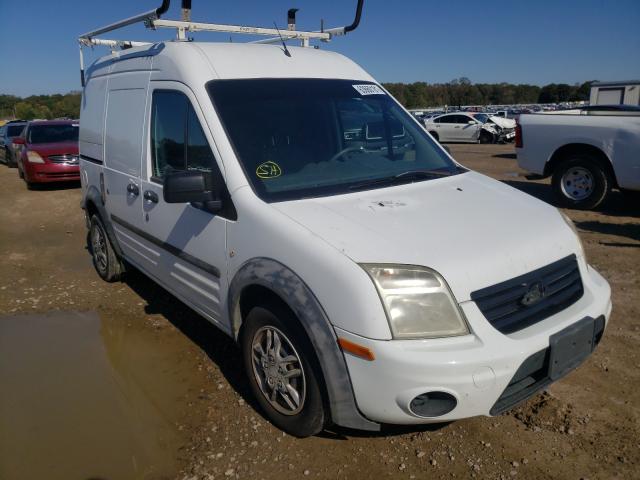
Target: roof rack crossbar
[{"x": 333, "y": 32}]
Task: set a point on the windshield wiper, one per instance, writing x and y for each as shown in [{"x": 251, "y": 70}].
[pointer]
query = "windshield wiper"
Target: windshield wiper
[{"x": 408, "y": 175}]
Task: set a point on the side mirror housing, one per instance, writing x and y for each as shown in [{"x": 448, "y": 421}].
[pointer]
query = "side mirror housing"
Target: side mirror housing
[
  {"x": 18, "y": 141},
  {"x": 472, "y": 122},
  {"x": 191, "y": 186}
]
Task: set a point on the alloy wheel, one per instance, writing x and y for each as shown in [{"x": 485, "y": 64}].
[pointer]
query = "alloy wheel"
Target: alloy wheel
[{"x": 278, "y": 370}]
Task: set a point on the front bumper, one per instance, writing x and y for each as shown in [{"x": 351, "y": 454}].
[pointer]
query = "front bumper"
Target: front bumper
[
  {"x": 475, "y": 369},
  {"x": 51, "y": 172}
]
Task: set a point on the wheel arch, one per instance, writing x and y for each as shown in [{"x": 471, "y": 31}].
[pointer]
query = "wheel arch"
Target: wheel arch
[
  {"x": 92, "y": 204},
  {"x": 570, "y": 149},
  {"x": 263, "y": 278}
]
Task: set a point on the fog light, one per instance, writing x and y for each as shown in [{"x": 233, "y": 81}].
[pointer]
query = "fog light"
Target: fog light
[{"x": 433, "y": 404}]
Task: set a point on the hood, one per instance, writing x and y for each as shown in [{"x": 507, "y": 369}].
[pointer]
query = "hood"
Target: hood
[
  {"x": 59, "y": 148},
  {"x": 503, "y": 122},
  {"x": 473, "y": 230}
]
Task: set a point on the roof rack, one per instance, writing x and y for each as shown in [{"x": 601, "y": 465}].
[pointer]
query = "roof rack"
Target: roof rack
[{"x": 152, "y": 20}]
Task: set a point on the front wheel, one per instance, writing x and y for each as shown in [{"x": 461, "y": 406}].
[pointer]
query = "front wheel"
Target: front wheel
[
  {"x": 282, "y": 369},
  {"x": 435, "y": 136},
  {"x": 486, "y": 137},
  {"x": 581, "y": 182}
]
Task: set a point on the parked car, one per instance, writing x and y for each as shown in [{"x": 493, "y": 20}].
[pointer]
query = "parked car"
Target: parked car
[
  {"x": 502, "y": 130},
  {"x": 463, "y": 127},
  {"x": 587, "y": 155},
  {"x": 10, "y": 131},
  {"x": 359, "y": 267},
  {"x": 48, "y": 152}
]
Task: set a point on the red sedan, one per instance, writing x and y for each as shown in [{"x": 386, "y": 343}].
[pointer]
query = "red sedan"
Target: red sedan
[{"x": 48, "y": 152}]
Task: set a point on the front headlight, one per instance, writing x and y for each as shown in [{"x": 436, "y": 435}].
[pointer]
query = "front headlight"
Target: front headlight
[
  {"x": 34, "y": 157},
  {"x": 572, "y": 226},
  {"x": 417, "y": 301}
]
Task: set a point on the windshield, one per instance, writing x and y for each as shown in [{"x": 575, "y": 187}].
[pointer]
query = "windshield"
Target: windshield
[
  {"x": 481, "y": 117},
  {"x": 300, "y": 138},
  {"x": 14, "y": 130},
  {"x": 53, "y": 133}
]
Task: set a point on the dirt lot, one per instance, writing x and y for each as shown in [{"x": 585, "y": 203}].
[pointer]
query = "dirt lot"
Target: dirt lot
[{"x": 585, "y": 426}]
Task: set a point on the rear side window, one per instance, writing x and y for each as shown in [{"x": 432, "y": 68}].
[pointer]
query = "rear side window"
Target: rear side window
[
  {"x": 14, "y": 130},
  {"x": 177, "y": 139}
]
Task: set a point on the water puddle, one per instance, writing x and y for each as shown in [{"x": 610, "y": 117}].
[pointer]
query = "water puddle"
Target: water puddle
[{"x": 83, "y": 399}]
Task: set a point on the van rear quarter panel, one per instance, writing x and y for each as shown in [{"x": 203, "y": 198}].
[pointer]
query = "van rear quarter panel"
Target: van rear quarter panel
[
  {"x": 126, "y": 105},
  {"x": 92, "y": 110}
]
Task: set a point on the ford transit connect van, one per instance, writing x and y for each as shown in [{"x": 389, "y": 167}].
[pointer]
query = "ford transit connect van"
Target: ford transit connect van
[{"x": 367, "y": 277}]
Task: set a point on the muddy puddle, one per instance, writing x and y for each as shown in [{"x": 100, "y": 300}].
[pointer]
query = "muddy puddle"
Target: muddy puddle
[{"x": 84, "y": 399}]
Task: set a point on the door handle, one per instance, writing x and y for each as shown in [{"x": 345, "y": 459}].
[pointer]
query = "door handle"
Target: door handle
[
  {"x": 151, "y": 196},
  {"x": 133, "y": 189}
]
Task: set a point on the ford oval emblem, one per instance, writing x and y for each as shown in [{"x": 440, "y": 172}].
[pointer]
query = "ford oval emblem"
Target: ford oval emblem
[{"x": 534, "y": 294}]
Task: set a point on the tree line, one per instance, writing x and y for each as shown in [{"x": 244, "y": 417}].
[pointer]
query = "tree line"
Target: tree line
[
  {"x": 412, "y": 95},
  {"x": 43, "y": 107},
  {"x": 462, "y": 92}
]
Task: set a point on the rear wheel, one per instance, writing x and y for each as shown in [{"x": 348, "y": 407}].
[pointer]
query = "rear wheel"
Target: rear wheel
[
  {"x": 581, "y": 182},
  {"x": 282, "y": 369},
  {"x": 104, "y": 257}
]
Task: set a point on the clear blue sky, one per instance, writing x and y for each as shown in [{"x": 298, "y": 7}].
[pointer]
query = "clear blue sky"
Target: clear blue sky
[{"x": 517, "y": 41}]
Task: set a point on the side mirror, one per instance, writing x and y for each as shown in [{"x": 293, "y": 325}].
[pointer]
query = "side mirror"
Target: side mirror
[
  {"x": 472, "y": 122},
  {"x": 18, "y": 141},
  {"x": 191, "y": 186}
]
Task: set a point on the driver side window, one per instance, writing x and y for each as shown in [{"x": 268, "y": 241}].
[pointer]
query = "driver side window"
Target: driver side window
[{"x": 177, "y": 139}]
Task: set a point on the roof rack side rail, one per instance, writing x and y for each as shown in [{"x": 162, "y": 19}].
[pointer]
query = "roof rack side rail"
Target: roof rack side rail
[{"x": 142, "y": 17}]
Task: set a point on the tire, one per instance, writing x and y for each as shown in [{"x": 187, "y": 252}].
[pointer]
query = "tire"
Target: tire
[
  {"x": 301, "y": 418},
  {"x": 435, "y": 136},
  {"x": 105, "y": 260},
  {"x": 581, "y": 182},
  {"x": 486, "y": 137},
  {"x": 11, "y": 162}
]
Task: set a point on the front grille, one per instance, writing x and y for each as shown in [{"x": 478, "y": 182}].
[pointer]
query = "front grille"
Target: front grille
[
  {"x": 67, "y": 158},
  {"x": 504, "y": 305}
]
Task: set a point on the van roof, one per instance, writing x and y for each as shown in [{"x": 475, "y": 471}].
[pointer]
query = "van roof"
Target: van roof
[{"x": 203, "y": 61}]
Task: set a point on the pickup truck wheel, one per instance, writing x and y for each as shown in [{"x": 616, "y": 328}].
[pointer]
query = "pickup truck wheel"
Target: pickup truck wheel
[
  {"x": 280, "y": 365},
  {"x": 435, "y": 136},
  {"x": 104, "y": 257},
  {"x": 580, "y": 182}
]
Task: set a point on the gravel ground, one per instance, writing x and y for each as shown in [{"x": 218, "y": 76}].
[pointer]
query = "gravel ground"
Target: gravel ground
[{"x": 585, "y": 426}]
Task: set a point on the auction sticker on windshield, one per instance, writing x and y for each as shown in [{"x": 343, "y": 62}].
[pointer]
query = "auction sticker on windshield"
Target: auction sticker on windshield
[
  {"x": 368, "y": 89},
  {"x": 268, "y": 170}
]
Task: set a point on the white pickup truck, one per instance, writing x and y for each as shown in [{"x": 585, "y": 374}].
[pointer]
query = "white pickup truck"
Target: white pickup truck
[{"x": 586, "y": 153}]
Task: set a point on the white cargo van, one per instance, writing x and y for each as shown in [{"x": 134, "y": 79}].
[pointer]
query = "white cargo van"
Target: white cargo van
[{"x": 286, "y": 197}]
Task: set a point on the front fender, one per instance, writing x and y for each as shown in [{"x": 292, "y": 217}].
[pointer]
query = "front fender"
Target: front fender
[{"x": 296, "y": 294}]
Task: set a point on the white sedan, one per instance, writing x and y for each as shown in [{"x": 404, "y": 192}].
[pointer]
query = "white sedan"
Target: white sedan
[{"x": 468, "y": 128}]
